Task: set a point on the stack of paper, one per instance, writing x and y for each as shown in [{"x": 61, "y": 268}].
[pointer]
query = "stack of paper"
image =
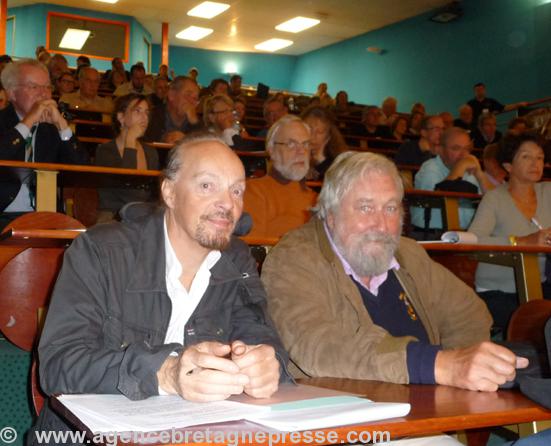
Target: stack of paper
[{"x": 116, "y": 413}]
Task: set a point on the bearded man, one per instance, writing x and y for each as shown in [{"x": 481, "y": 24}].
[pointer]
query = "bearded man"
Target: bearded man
[
  {"x": 281, "y": 201},
  {"x": 167, "y": 301},
  {"x": 353, "y": 299}
]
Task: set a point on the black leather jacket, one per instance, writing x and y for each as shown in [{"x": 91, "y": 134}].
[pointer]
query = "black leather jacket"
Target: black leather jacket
[{"x": 110, "y": 311}]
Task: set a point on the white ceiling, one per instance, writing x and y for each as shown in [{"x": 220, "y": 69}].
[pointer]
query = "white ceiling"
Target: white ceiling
[{"x": 248, "y": 22}]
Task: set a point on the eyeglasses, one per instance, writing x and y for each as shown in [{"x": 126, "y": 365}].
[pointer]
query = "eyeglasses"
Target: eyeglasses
[
  {"x": 35, "y": 87},
  {"x": 436, "y": 128},
  {"x": 295, "y": 145}
]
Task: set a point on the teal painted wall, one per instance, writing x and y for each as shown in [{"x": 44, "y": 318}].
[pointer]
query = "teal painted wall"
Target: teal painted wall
[
  {"x": 273, "y": 70},
  {"x": 504, "y": 43},
  {"x": 30, "y": 31}
]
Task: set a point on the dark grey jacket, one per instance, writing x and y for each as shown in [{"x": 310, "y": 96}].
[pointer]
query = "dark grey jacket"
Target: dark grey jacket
[{"x": 110, "y": 311}]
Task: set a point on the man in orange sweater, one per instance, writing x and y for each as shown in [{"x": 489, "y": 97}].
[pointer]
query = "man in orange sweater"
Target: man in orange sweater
[{"x": 280, "y": 201}]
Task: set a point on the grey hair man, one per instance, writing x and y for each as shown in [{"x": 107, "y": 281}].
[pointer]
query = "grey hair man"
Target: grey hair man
[
  {"x": 177, "y": 117},
  {"x": 32, "y": 129},
  {"x": 87, "y": 97},
  {"x": 353, "y": 299},
  {"x": 273, "y": 110},
  {"x": 279, "y": 201},
  {"x": 167, "y": 301}
]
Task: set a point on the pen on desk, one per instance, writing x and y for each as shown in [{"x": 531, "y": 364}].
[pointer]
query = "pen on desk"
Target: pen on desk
[{"x": 536, "y": 223}]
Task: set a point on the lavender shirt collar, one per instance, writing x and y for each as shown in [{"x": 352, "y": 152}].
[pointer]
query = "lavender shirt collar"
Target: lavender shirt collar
[{"x": 375, "y": 282}]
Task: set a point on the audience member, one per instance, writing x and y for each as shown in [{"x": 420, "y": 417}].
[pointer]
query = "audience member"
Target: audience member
[
  {"x": 31, "y": 129},
  {"x": 178, "y": 116},
  {"x": 219, "y": 119},
  {"x": 4, "y": 60},
  {"x": 218, "y": 86},
  {"x": 273, "y": 110},
  {"x": 64, "y": 84},
  {"x": 83, "y": 61},
  {"x": 416, "y": 152},
  {"x": 117, "y": 66},
  {"x": 166, "y": 302},
  {"x": 389, "y": 110},
  {"x": 280, "y": 201},
  {"x": 517, "y": 126},
  {"x": 415, "y": 123},
  {"x": 371, "y": 118},
  {"x": 235, "y": 86},
  {"x": 486, "y": 132},
  {"x": 325, "y": 99},
  {"x": 193, "y": 73},
  {"x": 164, "y": 73},
  {"x": 447, "y": 119},
  {"x": 399, "y": 128},
  {"x": 117, "y": 79},
  {"x": 86, "y": 98},
  {"x": 130, "y": 120},
  {"x": 44, "y": 57},
  {"x": 418, "y": 107},
  {"x": 481, "y": 104},
  {"x": 454, "y": 162},
  {"x": 465, "y": 120},
  {"x": 160, "y": 91},
  {"x": 136, "y": 84},
  {"x": 516, "y": 213},
  {"x": 39, "y": 49},
  {"x": 353, "y": 299},
  {"x": 57, "y": 65},
  {"x": 240, "y": 107},
  {"x": 326, "y": 142},
  {"x": 342, "y": 106}
]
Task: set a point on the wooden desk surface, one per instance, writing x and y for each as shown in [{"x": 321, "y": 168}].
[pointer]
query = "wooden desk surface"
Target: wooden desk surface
[
  {"x": 467, "y": 247},
  {"x": 435, "y": 409}
]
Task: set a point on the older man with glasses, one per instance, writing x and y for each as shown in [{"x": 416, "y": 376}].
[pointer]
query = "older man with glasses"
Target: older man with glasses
[
  {"x": 32, "y": 129},
  {"x": 281, "y": 201}
]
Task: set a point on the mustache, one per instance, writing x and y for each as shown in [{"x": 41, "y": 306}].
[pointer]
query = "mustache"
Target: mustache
[
  {"x": 224, "y": 215},
  {"x": 379, "y": 237}
]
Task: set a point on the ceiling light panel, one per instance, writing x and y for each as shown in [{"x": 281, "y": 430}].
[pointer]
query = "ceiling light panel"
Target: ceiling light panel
[
  {"x": 74, "y": 39},
  {"x": 208, "y": 10},
  {"x": 273, "y": 44},
  {"x": 194, "y": 33},
  {"x": 108, "y": 1},
  {"x": 297, "y": 24}
]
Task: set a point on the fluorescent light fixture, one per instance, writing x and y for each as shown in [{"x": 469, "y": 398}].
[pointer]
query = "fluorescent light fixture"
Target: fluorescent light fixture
[
  {"x": 230, "y": 67},
  {"x": 208, "y": 10},
  {"x": 108, "y": 1},
  {"x": 74, "y": 39},
  {"x": 297, "y": 24},
  {"x": 194, "y": 33},
  {"x": 273, "y": 44}
]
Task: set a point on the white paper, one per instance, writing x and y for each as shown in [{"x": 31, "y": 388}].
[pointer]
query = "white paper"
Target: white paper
[
  {"x": 109, "y": 413},
  {"x": 351, "y": 411},
  {"x": 454, "y": 237}
]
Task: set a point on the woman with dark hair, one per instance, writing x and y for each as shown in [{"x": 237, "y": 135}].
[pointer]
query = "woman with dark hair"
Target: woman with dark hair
[
  {"x": 516, "y": 213},
  {"x": 342, "y": 107},
  {"x": 130, "y": 120},
  {"x": 326, "y": 141},
  {"x": 399, "y": 128}
]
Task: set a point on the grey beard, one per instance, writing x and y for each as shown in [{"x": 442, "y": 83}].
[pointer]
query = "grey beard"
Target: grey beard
[{"x": 374, "y": 262}]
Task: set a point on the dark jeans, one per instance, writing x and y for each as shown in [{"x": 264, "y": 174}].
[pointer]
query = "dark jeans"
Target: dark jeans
[{"x": 502, "y": 305}]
